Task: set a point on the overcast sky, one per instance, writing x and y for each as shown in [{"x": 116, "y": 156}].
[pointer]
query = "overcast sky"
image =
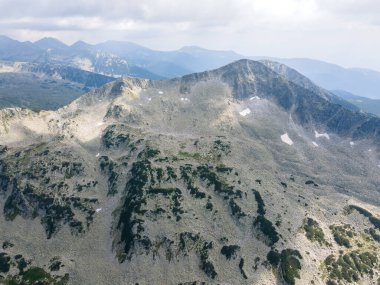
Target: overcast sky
[{"x": 346, "y": 32}]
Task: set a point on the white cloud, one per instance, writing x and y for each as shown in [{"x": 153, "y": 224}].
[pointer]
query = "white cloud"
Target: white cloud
[{"x": 340, "y": 31}]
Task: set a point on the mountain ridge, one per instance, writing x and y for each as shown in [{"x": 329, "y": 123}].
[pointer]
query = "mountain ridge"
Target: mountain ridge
[
  {"x": 152, "y": 64},
  {"x": 200, "y": 179}
]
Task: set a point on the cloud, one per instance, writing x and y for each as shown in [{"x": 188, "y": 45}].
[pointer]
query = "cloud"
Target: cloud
[{"x": 342, "y": 31}]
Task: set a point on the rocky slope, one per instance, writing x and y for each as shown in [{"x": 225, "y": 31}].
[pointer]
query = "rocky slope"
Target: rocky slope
[{"x": 232, "y": 176}]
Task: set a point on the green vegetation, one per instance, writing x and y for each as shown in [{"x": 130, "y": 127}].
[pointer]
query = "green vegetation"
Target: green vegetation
[
  {"x": 288, "y": 263},
  {"x": 220, "y": 186},
  {"x": 373, "y": 234},
  {"x": 4, "y": 262},
  {"x": 241, "y": 265},
  {"x": 229, "y": 251},
  {"x": 26, "y": 276},
  {"x": 132, "y": 205},
  {"x": 108, "y": 167},
  {"x": 223, "y": 169},
  {"x": 262, "y": 223},
  {"x": 236, "y": 209},
  {"x": 313, "y": 231},
  {"x": 7, "y": 244},
  {"x": 267, "y": 228},
  {"x": 206, "y": 264},
  {"x": 260, "y": 203},
  {"x": 189, "y": 241},
  {"x": 114, "y": 137},
  {"x": 342, "y": 235},
  {"x": 221, "y": 147},
  {"x": 187, "y": 176},
  {"x": 35, "y": 276},
  {"x": 350, "y": 267},
  {"x": 196, "y": 155},
  {"x": 174, "y": 194}
]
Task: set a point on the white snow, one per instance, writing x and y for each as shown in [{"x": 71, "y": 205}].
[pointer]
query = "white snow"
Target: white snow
[
  {"x": 378, "y": 165},
  {"x": 100, "y": 123},
  {"x": 369, "y": 150},
  {"x": 315, "y": 144},
  {"x": 149, "y": 99},
  {"x": 324, "y": 135},
  {"x": 185, "y": 99},
  {"x": 245, "y": 112},
  {"x": 97, "y": 155},
  {"x": 352, "y": 143},
  {"x": 254, "y": 98},
  {"x": 160, "y": 92},
  {"x": 285, "y": 138},
  {"x": 98, "y": 210}
]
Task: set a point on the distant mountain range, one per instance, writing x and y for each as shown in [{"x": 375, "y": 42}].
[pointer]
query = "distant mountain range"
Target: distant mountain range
[
  {"x": 365, "y": 104},
  {"x": 116, "y": 58},
  {"x": 44, "y": 86}
]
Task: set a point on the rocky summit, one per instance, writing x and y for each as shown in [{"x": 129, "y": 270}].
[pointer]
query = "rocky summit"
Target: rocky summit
[{"x": 247, "y": 174}]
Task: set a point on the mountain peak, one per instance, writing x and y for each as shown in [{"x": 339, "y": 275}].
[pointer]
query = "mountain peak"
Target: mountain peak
[
  {"x": 5, "y": 39},
  {"x": 81, "y": 45},
  {"x": 49, "y": 42}
]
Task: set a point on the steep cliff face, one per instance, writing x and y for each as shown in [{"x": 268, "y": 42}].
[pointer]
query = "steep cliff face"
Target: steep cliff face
[{"x": 235, "y": 176}]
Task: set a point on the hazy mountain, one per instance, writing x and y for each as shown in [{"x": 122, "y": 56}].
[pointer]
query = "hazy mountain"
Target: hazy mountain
[
  {"x": 117, "y": 58},
  {"x": 79, "y": 55},
  {"x": 50, "y": 43},
  {"x": 44, "y": 86},
  {"x": 364, "y": 82},
  {"x": 365, "y": 104},
  {"x": 170, "y": 63},
  {"x": 235, "y": 176}
]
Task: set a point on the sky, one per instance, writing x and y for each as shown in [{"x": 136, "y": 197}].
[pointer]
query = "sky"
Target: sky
[{"x": 345, "y": 32}]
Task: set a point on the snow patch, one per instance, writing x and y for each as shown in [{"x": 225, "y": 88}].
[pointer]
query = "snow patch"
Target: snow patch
[
  {"x": 245, "y": 112},
  {"x": 97, "y": 155},
  {"x": 149, "y": 99},
  {"x": 98, "y": 210},
  {"x": 285, "y": 138},
  {"x": 324, "y": 135},
  {"x": 100, "y": 123},
  {"x": 352, "y": 143},
  {"x": 315, "y": 144},
  {"x": 160, "y": 92},
  {"x": 254, "y": 98},
  {"x": 184, "y": 99}
]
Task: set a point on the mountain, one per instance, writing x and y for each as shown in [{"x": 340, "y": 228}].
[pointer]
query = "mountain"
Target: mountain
[
  {"x": 231, "y": 176},
  {"x": 299, "y": 79},
  {"x": 364, "y": 82},
  {"x": 118, "y": 58},
  {"x": 50, "y": 43},
  {"x": 169, "y": 63},
  {"x": 13, "y": 50},
  {"x": 79, "y": 55},
  {"x": 365, "y": 104},
  {"x": 44, "y": 86}
]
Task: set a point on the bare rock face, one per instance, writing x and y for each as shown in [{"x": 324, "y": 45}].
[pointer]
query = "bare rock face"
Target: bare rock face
[{"x": 190, "y": 181}]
